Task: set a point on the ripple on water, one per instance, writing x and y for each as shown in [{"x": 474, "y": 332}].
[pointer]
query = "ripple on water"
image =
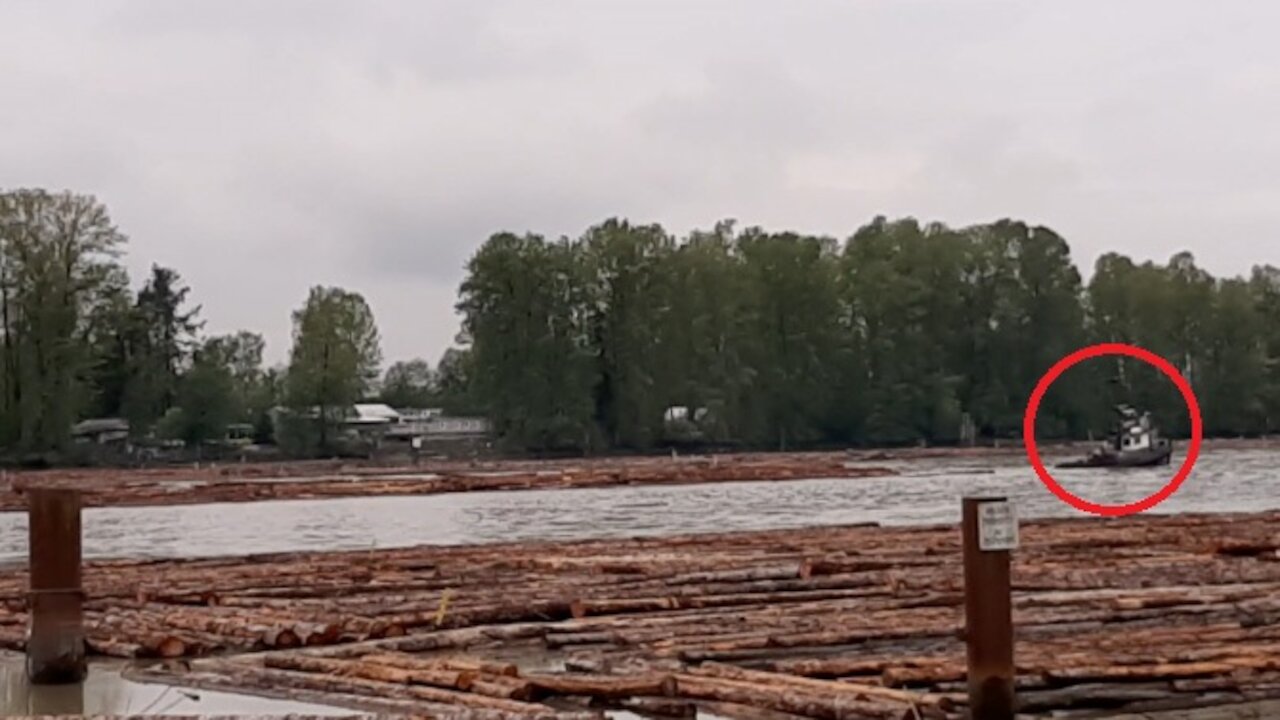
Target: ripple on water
[{"x": 928, "y": 492}]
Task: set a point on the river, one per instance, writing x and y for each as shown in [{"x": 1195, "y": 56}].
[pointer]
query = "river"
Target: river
[{"x": 926, "y": 492}]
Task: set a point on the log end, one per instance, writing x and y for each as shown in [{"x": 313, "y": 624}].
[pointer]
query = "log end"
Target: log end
[
  {"x": 168, "y": 647},
  {"x": 282, "y": 638}
]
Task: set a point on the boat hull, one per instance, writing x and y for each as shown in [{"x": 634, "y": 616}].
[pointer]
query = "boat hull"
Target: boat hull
[{"x": 1136, "y": 458}]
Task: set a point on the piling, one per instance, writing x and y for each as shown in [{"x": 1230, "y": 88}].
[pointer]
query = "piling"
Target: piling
[
  {"x": 989, "y": 532},
  {"x": 55, "y": 638}
]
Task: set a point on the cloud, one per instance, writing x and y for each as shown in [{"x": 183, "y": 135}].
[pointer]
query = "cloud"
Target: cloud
[{"x": 261, "y": 148}]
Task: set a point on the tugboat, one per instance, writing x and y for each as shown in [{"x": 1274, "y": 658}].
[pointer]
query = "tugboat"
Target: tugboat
[{"x": 1135, "y": 442}]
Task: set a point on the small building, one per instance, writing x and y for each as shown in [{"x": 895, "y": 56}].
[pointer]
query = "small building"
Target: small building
[
  {"x": 438, "y": 429},
  {"x": 417, "y": 415},
  {"x": 457, "y": 427},
  {"x": 239, "y": 434},
  {"x": 101, "y": 431},
  {"x": 363, "y": 414}
]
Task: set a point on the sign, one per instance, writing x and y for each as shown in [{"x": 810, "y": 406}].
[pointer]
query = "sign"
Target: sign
[{"x": 997, "y": 526}]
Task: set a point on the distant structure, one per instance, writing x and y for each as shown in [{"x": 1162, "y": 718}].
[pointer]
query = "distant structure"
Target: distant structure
[
  {"x": 101, "y": 431},
  {"x": 682, "y": 424},
  {"x": 378, "y": 428}
]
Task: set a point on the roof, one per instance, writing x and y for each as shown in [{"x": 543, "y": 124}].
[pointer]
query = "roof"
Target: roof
[
  {"x": 375, "y": 412},
  {"x": 100, "y": 425}
]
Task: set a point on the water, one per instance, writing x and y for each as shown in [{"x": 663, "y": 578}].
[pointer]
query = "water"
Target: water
[
  {"x": 105, "y": 692},
  {"x": 927, "y": 492}
]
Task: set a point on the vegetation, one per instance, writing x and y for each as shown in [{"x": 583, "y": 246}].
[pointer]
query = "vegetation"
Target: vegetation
[
  {"x": 902, "y": 333},
  {"x": 335, "y": 358}
]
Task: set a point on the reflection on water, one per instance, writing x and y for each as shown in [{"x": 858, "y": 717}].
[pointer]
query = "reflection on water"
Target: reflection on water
[
  {"x": 104, "y": 692},
  {"x": 926, "y": 492}
]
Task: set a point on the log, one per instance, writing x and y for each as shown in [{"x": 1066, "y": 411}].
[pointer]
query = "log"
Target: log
[
  {"x": 326, "y": 672},
  {"x": 604, "y": 686},
  {"x": 1167, "y": 671},
  {"x": 903, "y": 697},
  {"x": 453, "y": 664},
  {"x": 1228, "y": 711},
  {"x": 372, "y": 671},
  {"x": 114, "y": 648},
  {"x": 502, "y": 686},
  {"x": 793, "y": 701},
  {"x": 661, "y": 707}
]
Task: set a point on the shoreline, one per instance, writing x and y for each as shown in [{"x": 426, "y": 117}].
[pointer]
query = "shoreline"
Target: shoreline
[{"x": 310, "y": 480}]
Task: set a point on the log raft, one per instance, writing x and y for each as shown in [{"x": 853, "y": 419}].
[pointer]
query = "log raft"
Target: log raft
[
  {"x": 310, "y": 481},
  {"x": 1121, "y": 616}
]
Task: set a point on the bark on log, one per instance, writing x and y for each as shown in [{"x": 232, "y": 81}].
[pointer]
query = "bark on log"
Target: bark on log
[{"x": 604, "y": 686}]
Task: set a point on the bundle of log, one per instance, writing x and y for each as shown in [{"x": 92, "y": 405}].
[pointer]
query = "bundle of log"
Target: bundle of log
[
  {"x": 235, "y": 484},
  {"x": 1131, "y": 614}
]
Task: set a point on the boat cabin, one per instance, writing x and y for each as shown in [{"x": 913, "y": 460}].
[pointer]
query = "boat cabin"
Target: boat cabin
[{"x": 1134, "y": 442}]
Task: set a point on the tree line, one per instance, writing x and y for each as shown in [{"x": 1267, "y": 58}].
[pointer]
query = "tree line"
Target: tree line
[
  {"x": 77, "y": 342},
  {"x": 903, "y": 333}
]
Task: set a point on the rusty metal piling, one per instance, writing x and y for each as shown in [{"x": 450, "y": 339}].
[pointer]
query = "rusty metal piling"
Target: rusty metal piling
[
  {"x": 55, "y": 637},
  {"x": 989, "y": 531}
]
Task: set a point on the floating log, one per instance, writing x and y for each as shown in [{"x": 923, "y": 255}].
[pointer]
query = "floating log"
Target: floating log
[
  {"x": 1142, "y": 602},
  {"x": 911, "y": 699},
  {"x": 604, "y": 686},
  {"x": 175, "y": 486},
  {"x": 825, "y": 706}
]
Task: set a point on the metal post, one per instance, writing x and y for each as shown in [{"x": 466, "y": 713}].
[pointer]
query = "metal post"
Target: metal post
[
  {"x": 989, "y": 532},
  {"x": 55, "y": 639}
]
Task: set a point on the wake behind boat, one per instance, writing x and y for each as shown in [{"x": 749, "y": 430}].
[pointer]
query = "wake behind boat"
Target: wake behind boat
[{"x": 1135, "y": 442}]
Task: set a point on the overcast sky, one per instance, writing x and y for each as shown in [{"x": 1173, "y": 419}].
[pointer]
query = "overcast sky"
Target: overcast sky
[{"x": 261, "y": 147}]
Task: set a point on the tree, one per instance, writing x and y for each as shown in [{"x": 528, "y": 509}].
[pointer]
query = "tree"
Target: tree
[
  {"x": 706, "y": 334},
  {"x": 532, "y": 365},
  {"x": 793, "y": 307},
  {"x": 335, "y": 357},
  {"x": 408, "y": 384},
  {"x": 261, "y": 405},
  {"x": 206, "y": 398},
  {"x": 453, "y": 384},
  {"x": 904, "y": 294},
  {"x": 57, "y": 263},
  {"x": 626, "y": 268},
  {"x": 240, "y": 354},
  {"x": 160, "y": 336}
]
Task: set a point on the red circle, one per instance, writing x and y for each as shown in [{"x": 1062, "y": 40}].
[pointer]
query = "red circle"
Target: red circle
[{"x": 1093, "y": 351}]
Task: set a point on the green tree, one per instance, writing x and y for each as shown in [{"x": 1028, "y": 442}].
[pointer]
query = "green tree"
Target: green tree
[
  {"x": 453, "y": 383},
  {"x": 904, "y": 307},
  {"x": 334, "y": 360},
  {"x": 158, "y": 337},
  {"x": 408, "y": 384},
  {"x": 57, "y": 262},
  {"x": 706, "y": 334},
  {"x": 531, "y": 361},
  {"x": 792, "y": 315},
  {"x": 207, "y": 401},
  {"x": 1264, "y": 285},
  {"x": 630, "y": 297},
  {"x": 240, "y": 354}
]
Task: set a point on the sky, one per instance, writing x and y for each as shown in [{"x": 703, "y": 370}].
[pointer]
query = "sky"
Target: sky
[{"x": 262, "y": 148}]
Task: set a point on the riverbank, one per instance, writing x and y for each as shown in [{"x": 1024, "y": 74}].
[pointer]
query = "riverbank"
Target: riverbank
[
  {"x": 1131, "y": 614},
  {"x": 248, "y": 482}
]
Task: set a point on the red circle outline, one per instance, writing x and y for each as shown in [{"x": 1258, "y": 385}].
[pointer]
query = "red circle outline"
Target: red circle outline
[{"x": 1100, "y": 350}]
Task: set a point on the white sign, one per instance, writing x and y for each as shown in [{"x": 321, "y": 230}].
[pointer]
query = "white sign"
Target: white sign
[{"x": 997, "y": 526}]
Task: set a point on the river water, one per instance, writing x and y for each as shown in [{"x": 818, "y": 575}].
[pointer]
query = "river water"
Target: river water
[{"x": 926, "y": 492}]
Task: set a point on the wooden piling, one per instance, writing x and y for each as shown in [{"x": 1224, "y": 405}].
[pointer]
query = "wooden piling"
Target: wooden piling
[
  {"x": 56, "y": 637},
  {"x": 988, "y": 607}
]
